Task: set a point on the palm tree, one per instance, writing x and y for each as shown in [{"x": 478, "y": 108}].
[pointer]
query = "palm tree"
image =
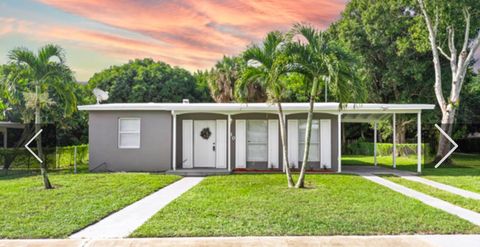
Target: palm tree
[
  {"x": 222, "y": 81},
  {"x": 266, "y": 65},
  {"x": 46, "y": 72},
  {"x": 325, "y": 63}
]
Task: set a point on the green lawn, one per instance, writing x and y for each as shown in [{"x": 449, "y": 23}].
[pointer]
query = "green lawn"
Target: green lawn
[
  {"x": 29, "y": 211},
  {"x": 463, "y": 173},
  {"x": 461, "y": 201},
  {"x": 245, "y": 205}
]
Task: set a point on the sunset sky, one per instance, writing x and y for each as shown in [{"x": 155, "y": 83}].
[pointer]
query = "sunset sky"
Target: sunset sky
[{"x": 192, "y": 34}]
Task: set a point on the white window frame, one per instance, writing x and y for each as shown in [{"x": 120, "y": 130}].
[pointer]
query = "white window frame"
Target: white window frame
[
  {"x": 248, "y": 122},
  {"x": 120, "y": 132},
  {"x": 300, "y": 150}
]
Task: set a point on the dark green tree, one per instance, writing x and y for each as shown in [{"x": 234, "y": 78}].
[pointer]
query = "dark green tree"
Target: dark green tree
[{"x": 146, "y": 81}]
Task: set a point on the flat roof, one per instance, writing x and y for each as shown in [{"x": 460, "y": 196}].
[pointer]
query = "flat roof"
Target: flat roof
[{"x": 260, "y": 107}]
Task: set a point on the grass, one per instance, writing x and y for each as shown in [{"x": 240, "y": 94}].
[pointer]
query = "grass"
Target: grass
[
  {"x": 461, "y": 201},
  {"x": 29, "y": 211},
  {"x": 464, "y": 172},
  {"x": 253, "y": 205}
]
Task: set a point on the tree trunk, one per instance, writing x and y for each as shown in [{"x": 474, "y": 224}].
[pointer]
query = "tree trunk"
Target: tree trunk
[
  {"x": 308, "y": 134},
  {"x": 448, "y": 118},
  {"x": 283, "y": 131},
  {"x": 43, "y": 165}
]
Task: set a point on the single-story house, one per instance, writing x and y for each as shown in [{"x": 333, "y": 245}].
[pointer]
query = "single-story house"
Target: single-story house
[{"x": 224, "y": 137}]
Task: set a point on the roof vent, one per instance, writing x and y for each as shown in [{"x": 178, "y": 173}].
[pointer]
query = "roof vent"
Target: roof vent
[{"x": 186, "y": 101}]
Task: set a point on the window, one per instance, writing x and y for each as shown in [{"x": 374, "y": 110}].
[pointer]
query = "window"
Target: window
[
  {"x": 129, "y": 133},
  {"x": 314, "y": 152},
  {"x": 257, "y": 141}
]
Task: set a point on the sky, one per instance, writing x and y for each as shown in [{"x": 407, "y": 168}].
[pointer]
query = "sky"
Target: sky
[{"x": 192, "y": 34}]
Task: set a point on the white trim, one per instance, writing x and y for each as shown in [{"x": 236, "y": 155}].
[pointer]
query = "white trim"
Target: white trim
[
  {"x": 339, "y": 151},
  {"x": 256, "y": 107},
  {"x": 174, "y": 141},
  {"x": 394, "y": 150},
  {"x": 229, "y": 142},
  {"x": 419, "y": 142},
  {"x": 120, "y": 132},
  {"x": 187, "y": 143}
]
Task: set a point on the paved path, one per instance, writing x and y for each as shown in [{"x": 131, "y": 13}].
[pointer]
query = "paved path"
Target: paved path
[
  {"x": 466, "y": 214},
  {"x": 412, "y": 177},
  {"x": 125, "y": 221},
  {"x": 326, "y": 241},
  {"x": 448, "y": 188}
]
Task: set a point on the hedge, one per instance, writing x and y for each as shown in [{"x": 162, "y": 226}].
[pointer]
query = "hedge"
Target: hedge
[{"x": 384, "y": 149}]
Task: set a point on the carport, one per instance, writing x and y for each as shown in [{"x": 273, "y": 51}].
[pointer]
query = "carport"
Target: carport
[
  {"x": 4, "y": 126},
  {"x": 373, "y": 113}
]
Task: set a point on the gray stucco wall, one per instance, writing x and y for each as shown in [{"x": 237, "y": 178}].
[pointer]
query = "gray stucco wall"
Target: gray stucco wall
[{"x": 155, "y": 137}]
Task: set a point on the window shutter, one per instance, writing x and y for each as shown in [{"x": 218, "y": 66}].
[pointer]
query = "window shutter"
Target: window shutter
[
  {"x": 221, "y": 144},
  {"x": 325, "y": 143},
  {"x": 240, "y": 143},
  {"x": 273, "y": 143},
  {"x": 293, "y": 142},
  {"x": 187, "y": 144}
]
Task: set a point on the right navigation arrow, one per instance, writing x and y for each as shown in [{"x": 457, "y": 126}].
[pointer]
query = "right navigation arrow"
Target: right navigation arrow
[{"x": 455, "y": 146}]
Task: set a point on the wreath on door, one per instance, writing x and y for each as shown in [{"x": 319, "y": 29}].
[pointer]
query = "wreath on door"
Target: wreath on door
[{"x": 205, "y": 133}]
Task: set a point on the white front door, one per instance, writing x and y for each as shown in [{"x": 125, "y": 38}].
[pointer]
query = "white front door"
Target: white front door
[{"x": 204, "y": 143}]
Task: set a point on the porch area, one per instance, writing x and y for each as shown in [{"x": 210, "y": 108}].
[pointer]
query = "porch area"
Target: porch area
[{"x": 198, "y": 172}]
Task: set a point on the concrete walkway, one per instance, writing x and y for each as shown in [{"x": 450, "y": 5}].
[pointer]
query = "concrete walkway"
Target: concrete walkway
[
  {"x": 125, "y": 221},
  {"x": 448, "y": 188},
  {"x": 412, "y": 177},
  {"x": 465, "y": 214},
  {"x": 327, "y": 241}
]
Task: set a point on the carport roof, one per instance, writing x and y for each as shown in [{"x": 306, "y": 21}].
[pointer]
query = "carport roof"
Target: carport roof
[{"x": 350, "y": 108}]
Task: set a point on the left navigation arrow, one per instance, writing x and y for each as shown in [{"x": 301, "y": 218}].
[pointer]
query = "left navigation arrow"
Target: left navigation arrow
[{"x": 31, "y": 140}]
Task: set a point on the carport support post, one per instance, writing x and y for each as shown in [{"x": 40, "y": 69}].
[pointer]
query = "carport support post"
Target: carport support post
[
  {"x": 174, "y": 140},
  {"x": 419, "y": 142},
  {"x": 339, "y": 152},
  {"x": 394, "y": 150},
  {"x": 375, "y": 143},
  {"x": 229, "y": 136}
]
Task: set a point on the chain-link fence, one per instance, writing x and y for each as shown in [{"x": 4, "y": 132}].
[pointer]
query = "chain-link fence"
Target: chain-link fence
[{"x": 20, "y": 160}]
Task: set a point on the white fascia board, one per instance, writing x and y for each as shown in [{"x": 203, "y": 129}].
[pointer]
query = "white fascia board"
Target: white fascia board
[{"x": 289, "y": 108}]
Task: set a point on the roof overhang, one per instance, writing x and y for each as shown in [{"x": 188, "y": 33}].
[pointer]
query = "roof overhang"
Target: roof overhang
[
  {"x": 11, "y": 125},
  {"x": 236, "y": 108}
]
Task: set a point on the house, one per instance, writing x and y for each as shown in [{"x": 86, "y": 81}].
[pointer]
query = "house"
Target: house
[{"x": 224, "y": 137}]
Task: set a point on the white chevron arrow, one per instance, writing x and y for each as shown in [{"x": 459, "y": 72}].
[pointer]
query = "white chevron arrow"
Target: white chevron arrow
[
  {"x": 455, "y": 146},
  {"x": 31, "y": 140}
]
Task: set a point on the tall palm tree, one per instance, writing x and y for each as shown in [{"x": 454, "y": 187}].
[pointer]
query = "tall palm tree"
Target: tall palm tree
[
  {"x": 266, "y": 65},
  {"x": 222, "y": 80},
  {"x": 324, "y": 63},
  {"x": 46, "y": 72}
]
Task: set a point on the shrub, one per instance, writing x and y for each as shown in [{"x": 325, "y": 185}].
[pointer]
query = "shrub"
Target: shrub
[{"x": 384, "y": 149}]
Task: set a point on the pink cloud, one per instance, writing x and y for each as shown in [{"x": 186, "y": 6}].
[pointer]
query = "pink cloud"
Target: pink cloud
[{"x": 200, "y": 32}]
